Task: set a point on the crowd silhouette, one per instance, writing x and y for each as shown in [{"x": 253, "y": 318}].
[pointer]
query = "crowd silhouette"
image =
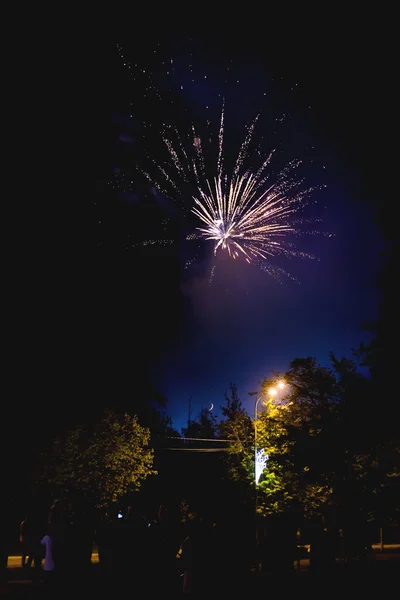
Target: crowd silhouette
[
  {"x": 164, "y": 555},
  {"x": 167, "y": 555}
]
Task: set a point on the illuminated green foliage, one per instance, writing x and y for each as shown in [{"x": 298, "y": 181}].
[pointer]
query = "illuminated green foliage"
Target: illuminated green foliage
[
  {"x": 103, "y": 462},
  {"x": 319, "y": 440}
]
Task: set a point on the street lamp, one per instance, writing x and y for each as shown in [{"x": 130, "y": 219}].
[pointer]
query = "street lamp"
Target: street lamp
[{"x": 260, "y": 458}]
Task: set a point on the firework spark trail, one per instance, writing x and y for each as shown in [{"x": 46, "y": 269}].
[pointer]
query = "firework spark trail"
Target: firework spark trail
[
  {"x": 150, "y": 179},
  {"x": 276, "y": 272},
  {"x": 153, "y": 243},
  {"x": 212, "y": 273},
  {"x": 243, "y": 150},
  {"x": 165, "y": 175},
  {"x": 176, "y": 161},
  {"x": 199, "y": 151},
  {"x": 182, "y": 148},
  {"x": 221, "y": 143},
  {"x": 190, "y": 261}
]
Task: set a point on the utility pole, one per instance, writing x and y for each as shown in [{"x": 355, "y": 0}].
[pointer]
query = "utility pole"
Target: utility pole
[{"x": 190, "y": 411}]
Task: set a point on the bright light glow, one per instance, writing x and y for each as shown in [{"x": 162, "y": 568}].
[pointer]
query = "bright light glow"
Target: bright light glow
[
  {"x": 281, "y": 385},
  {"x": 261, "y": 463},
  {"x": 272, "y": 391}
]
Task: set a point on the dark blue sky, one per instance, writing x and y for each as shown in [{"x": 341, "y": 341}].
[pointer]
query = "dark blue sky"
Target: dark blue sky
[
  {"x": 259, "y": 326},
  {"x": 247, "y": 325}
]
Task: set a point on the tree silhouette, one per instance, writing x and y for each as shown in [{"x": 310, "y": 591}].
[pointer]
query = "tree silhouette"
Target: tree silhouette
[
  {"x": 236, "y": 426},
  {"x": 204, "y": 426}
]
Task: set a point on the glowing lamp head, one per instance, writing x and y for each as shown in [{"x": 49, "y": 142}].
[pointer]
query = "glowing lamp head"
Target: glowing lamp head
[
  {"x": 281, "y": 385},
  {"x": 272, "y": 391}
]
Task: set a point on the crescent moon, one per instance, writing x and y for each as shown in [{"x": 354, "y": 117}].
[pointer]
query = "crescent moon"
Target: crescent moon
[{"x": 211, "y": 407}]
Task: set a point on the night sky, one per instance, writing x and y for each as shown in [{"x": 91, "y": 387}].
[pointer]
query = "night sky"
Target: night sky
[
  {"x": 247, "y": 325},
  {"x": 91, "y": 324}
]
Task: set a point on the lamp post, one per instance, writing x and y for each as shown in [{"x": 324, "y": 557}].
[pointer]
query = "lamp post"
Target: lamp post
[{"x": 260, "y": 458}]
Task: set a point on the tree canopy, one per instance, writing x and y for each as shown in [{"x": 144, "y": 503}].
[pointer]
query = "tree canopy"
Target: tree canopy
[
  {"x": 102, "y": 462},
  {"x": 318, "y": 435}
]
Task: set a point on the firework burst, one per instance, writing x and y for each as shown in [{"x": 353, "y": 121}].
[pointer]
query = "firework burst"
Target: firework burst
[{"x": 248, "y": 213}]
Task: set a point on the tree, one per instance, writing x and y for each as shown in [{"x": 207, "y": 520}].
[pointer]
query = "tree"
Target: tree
[
  {"x": 203, "y": 427},
  {"x": 237, "y": 427},
  {"x": 312, "y": 424},
  {"x": 295, "y": 431},
  {"x": 274, "y": 489},
  {"x": 316, "y": 459},
  {"x": 325, "y": 455},
  {"x": 104, "y": 462},
  {"x": 371, "y": 474}
]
